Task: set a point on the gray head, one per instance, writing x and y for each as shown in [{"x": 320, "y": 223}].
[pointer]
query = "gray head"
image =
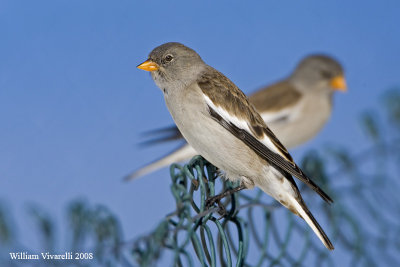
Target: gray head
[
  {"x": 173, "y": 64},
  {"x": 319, "y": 72}
]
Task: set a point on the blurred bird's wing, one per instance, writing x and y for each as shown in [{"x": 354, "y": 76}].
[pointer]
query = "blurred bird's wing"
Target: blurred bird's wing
[
  {"x": 276, "y": 102},
  {"x": 161, "y": 135}
]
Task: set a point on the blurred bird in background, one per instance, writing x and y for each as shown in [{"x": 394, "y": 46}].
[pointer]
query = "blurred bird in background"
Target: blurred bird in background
[{"x": 295, "y": 109}]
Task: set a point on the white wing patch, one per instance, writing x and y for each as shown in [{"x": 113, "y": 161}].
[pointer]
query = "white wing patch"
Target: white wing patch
[
  {"x": 228, "y": 117},
  {"x": 288, "y": 114},
  {"x": 243, "y": 124}
]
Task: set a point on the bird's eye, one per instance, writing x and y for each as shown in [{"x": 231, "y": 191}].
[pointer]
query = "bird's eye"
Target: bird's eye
[
  {"x": 326, "y": 74},
  {"x": 168, "y": 58}
]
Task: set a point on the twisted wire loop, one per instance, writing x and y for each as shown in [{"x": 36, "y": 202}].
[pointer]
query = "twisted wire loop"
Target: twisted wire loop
[{"x": 195, "y": 180}]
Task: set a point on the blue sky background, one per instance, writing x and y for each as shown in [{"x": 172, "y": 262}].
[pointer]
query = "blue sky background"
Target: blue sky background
[{"x": 73, "y": 104}]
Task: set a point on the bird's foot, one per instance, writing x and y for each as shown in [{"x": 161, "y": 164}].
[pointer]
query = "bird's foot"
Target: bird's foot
[{"x": 217, "y": 199}]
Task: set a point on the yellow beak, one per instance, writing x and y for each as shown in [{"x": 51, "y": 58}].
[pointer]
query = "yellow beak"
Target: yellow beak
[
  {"x": 148, "y": 65},
  {"x": 338, "y": 83}
]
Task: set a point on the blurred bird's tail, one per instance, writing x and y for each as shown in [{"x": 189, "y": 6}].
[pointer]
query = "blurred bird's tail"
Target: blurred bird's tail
[{"x": 183, "y": 153}]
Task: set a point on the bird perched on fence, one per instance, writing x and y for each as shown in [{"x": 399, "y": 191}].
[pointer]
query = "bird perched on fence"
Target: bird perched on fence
[
  {"x": 295, "y": 108},
  {"x": 218, "y": 121}
]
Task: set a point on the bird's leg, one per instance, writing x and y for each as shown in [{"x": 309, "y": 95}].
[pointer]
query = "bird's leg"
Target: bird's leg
[
  {"x": 216, "y": 199},
  {"x": 196, "y": 183}
]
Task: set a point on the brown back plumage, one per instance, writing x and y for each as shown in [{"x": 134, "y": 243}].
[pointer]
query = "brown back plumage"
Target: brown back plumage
[{"x": 275, "y": 97}]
